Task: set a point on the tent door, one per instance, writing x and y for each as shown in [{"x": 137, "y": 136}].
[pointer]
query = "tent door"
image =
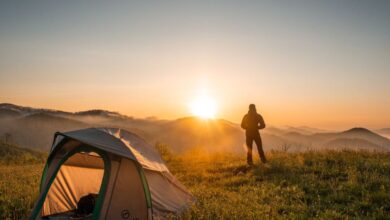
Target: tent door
[{"x": 80, "y": 172}]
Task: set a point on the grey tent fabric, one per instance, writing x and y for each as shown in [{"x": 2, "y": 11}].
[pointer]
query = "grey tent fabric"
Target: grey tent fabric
[
  {"x": 173, "y": 195},
  {"x": 100, "y": 139},
  {"x": 144, "y": 153},
  {"x": 123, "y": 143},
  {"x": 125, "y": 186}
]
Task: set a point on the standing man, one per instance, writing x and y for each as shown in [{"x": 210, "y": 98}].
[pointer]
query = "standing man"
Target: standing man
[{"x": 252, "y": 122}]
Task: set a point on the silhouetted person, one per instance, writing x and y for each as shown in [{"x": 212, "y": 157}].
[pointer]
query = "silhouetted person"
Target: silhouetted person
[{"x": 252, "y": 122}]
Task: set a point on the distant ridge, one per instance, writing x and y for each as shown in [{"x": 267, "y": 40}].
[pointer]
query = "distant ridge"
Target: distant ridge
[
  {"x": 384, "y": 132},
  {"x": 28, "y": 110},
  {"x": 352, "y": 143},
  {"x": 23, "y": 110},
  {"x": 9, "y": 113},
  {"x": 358, "y": 130},
  {"x": 42, "y": 116},
  {"x": 99, "y": 112},
  {"x": 34, "y": 128}
]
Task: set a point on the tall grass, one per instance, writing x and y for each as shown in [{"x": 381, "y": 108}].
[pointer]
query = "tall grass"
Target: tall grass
[
  {"x": 324, "y": 185},
  {"x": 20, "y": 173},
  {"x": 18, "y": 190}
]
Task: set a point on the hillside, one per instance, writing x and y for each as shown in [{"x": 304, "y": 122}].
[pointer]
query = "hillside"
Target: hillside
[
  {"x": 211, "y": 135},
  {"x": 34, "y": 128},
  {"x": 384, "y": 132},
  {"x": 352, "y": 144},
  {"x": 365, "y": 134},
  {"x": 23, "y": 110},
  {"x": 320, "y": 185},
  {"x": 8, "y": 113},
  {"x": 20, "y": 173},
  {"x": 355, "y": 138},
  {"x": 14, "y": 155}
]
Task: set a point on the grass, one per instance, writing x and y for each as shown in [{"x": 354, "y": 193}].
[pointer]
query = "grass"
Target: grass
[
  {"x": 18, "y": 190},
  {"x": 14, "y": 155},
  {"x": 324, "y": 185},
  {"x": 20, "y": 173}
]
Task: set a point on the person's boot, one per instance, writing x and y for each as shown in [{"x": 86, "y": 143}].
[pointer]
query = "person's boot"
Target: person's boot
[
  {"x": 249, "y": 160},
  {"x": 263, "y": 159}
]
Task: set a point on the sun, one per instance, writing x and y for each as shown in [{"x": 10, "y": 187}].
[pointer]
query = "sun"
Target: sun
[{"x": 204, "y": 107}]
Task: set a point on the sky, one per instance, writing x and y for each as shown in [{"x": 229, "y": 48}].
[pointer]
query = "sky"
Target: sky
[{"x": 315, "y": 63}]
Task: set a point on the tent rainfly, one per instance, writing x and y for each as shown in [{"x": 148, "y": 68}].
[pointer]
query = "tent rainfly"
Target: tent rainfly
[{"x": 126, "y": 175}]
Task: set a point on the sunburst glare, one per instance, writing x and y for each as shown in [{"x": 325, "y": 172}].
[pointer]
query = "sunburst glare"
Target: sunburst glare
[{"x": 204, "y": 107}]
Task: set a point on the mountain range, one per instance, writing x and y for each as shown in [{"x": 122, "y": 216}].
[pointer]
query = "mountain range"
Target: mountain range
[{"x": 35, "y": 127}]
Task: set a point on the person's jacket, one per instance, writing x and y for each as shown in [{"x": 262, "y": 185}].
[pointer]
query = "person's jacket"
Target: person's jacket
[{"x": 252, "y": 122}]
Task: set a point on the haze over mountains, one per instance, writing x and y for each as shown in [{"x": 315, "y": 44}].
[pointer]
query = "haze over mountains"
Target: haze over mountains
[{"x": 34, "y": 128}]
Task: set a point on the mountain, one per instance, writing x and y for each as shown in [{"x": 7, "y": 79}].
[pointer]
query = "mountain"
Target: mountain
[
  {"x": 387, "y": 130},
  {"x": 34, "y": 128},
  {"x": 384, "y": 132},
  {"x": 366, "y": 134},
  {"x": 99, "y": 112},
  {"x": 211, "y": 135},
  {"x": 8, "y": 113},
  {"x": 351, "y": 139},
  {"x": 352, "y": 144},
  {"x": 303, "y": 130},
  {"x": 22, "y": 110}
]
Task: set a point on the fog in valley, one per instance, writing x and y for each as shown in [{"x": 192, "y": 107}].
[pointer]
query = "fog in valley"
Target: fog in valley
[{"x": 34, "y": 128}]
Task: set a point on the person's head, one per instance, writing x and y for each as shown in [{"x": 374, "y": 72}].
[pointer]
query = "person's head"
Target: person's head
[{"x": 252, "y": 108}]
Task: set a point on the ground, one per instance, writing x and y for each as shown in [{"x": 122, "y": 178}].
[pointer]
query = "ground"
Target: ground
[
  {"x": 18, "y": 190},
  {"x": 326, "y": 185}
]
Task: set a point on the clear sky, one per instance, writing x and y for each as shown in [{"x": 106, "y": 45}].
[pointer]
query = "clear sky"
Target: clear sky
[{"x": 316, "y": 63}]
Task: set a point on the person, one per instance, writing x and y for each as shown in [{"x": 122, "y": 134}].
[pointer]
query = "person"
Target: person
[{"x": 252, "y": 122}]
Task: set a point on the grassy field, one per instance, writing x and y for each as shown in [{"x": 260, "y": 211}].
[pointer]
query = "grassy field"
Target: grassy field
[
  {"x": 20, "y": 173},
  {"x": 326, "y": 185},
  {"x": 18, "y": 190}
]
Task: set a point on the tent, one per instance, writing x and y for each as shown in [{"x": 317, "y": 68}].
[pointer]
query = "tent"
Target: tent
[{"x": 127, "y": 175}]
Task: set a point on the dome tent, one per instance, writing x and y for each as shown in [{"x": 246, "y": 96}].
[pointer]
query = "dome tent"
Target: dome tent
[{"x": 128, "y": 175}]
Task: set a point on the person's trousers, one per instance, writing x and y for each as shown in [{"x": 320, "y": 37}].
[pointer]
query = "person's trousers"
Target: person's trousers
[{"x": 250, "y": 138}]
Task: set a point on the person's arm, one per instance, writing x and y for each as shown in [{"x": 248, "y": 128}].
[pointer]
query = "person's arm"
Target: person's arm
[
  {"x": 261, "y": 122},
  {"x": 244, "y": 123}
]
